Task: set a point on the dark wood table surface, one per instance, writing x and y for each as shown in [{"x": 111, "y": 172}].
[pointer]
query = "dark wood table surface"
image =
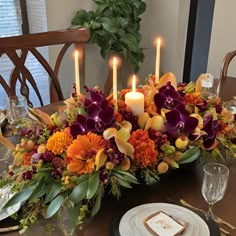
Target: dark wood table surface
[{"x": 184, "y": 183}]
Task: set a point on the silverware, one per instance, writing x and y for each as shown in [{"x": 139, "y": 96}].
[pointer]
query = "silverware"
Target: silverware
[
  {"x": 217, "y": 219},
  {"x": 225, "y": 232}
]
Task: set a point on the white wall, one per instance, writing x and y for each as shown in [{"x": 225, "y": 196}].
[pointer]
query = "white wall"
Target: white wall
[
  {"x": 222, "y": 37},
  {"x": 163, "y": 18}
]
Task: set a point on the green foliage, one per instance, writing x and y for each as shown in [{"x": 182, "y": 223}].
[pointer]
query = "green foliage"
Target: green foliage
[
  {"x": 54, "y": 206},
  {"x": 190, "y": 155},
  {"x": 114, "y": 26}
]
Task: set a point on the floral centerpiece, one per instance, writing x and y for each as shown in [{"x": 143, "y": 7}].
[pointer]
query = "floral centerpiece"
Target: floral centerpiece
[{"x": 74, "y": 156}]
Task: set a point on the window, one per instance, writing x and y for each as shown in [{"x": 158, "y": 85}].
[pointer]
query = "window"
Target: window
[{"x": 10, "y": 25}]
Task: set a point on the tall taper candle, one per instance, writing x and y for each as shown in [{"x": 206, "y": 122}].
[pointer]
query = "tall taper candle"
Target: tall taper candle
[
  {"x": 77, "y": 79},
  {"x": 157, "y": 69},
  {"x": 115, "y": 80}
]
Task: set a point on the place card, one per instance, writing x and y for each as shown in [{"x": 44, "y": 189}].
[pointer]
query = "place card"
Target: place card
[{"x": 161, "y": 224}]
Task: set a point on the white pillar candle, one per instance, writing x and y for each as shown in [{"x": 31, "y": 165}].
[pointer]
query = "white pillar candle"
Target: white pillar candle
[
  {"x": 135, "y": 100},
  {"x": 77, "y": 79},
  {"x": 157, "y": 69}
]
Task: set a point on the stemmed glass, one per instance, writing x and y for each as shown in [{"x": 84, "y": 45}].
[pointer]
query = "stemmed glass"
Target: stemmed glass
[{"x": 214, "y": 183}]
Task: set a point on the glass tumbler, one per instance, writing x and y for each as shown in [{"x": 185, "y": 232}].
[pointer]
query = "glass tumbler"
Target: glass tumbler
[{"x": 16, "y": 109}]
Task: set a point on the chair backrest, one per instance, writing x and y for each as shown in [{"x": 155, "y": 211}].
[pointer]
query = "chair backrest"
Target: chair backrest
[
  {"x": 17, "y": 48},
  {"x": 227, "y": 83}
]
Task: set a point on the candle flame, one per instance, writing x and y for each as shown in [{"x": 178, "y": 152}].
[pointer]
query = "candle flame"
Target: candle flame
[
  {"x": 114, "y": 61},
  {"x": 159, "y": 42},
  {"x": 76, "y": 54},
  {"x": 134, "y": 83}
]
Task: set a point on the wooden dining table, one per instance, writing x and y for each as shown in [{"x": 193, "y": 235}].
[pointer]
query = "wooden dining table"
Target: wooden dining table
[{"x": 183, "y": 183}]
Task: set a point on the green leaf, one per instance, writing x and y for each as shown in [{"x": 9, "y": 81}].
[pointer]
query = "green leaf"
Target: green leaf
[
  {"x": 82, "y": 178},
  {"x": 54, "y": 206},
  {"x": 123, "y": 183},
  {"x": 21, "y": 196},
  {"x": 131, "y": 41},
  {"x": 93, "y": 184},
  {"x": 189, "y": 152},
  {"x": 56, "y": 188},
  {"x": 128, "y": 176},
  {"x": 79, "y": 192},
  {"x": 191, "y": 156},
  {"x": 97, "y": 203},
  {"x": 38, "y": 191},
  {"x": 101, "y": 8}
]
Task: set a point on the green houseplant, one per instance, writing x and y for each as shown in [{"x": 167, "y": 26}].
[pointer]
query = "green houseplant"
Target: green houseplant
[{"x": 114, "y": 26}]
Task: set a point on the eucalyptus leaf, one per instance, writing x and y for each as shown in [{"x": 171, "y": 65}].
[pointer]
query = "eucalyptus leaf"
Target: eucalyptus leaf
[
  {"x": 79, "y": 192},
  {"x": 21, "y": 196},
  {"x": 56, "y": 188},
  {"x": 190, "y": 158},
  {"x": 97, "y": 203},
  {"x": 38, "y": 190},
  {"x": 54, "y": 206},
  {"x": 93, "y": 184},
  {"x": 189, "y": 152}
]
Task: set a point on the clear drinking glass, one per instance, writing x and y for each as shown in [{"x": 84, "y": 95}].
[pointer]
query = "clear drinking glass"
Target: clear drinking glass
[
  {"x": 16, "y": 109},
  {"x": 210, "y": 86},
  {"x": 65, "y": 221},
  {"x": 4, "y": 157},
  {"x": 214, "y": 183}
]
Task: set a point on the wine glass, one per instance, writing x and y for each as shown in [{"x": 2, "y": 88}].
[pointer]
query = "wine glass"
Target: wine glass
[{"x": 214, "y": 183}]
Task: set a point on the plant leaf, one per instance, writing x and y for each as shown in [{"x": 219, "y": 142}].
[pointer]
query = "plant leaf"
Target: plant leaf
[
  {"x": 97, "y": 203},
  {"x": 21, "y": 196},
  {"x": 54, "y": 206},
  {"x": 123, "y": 183},
  {"x": 190, "y": 158},
  {"x": 79, "y": 192},
  {"x": 38, "y": 191},
  {"x": 189, "y": 152},
  {"x": 129, "y": 175},
  {"x": 56, "y": 188},
  {"x": 93, "y": 184}
]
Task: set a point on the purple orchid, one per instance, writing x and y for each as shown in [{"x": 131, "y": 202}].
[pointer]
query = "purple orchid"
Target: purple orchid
[
  {"x": 210, "y": 127},
  {"x": 167, "y": 97},
  {"x": 99, "y": 115},
  {"x": 179, "y": 122}
]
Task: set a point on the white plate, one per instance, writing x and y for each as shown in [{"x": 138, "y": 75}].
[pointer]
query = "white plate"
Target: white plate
[
  {"x": 5, "y": 195},
  {"x": 132, "y": 222}
]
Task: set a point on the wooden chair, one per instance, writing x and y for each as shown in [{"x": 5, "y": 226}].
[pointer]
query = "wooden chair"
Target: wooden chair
[
  {"x": 11, "y": 46},
  {"x": 227, "y": 83}
]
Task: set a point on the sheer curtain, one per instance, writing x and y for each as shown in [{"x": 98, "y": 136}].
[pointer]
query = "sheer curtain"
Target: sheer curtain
[{"x": 10, "y": 25}]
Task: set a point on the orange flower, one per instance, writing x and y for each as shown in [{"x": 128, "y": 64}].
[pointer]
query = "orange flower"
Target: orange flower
[
  {"x": 59, "y": 142},
  {"x": 193, "y": 98},
  {"x": 145, "y": 153},
  {"x": 81, "y": 153},
  {"x": 27, "y": 158}
]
